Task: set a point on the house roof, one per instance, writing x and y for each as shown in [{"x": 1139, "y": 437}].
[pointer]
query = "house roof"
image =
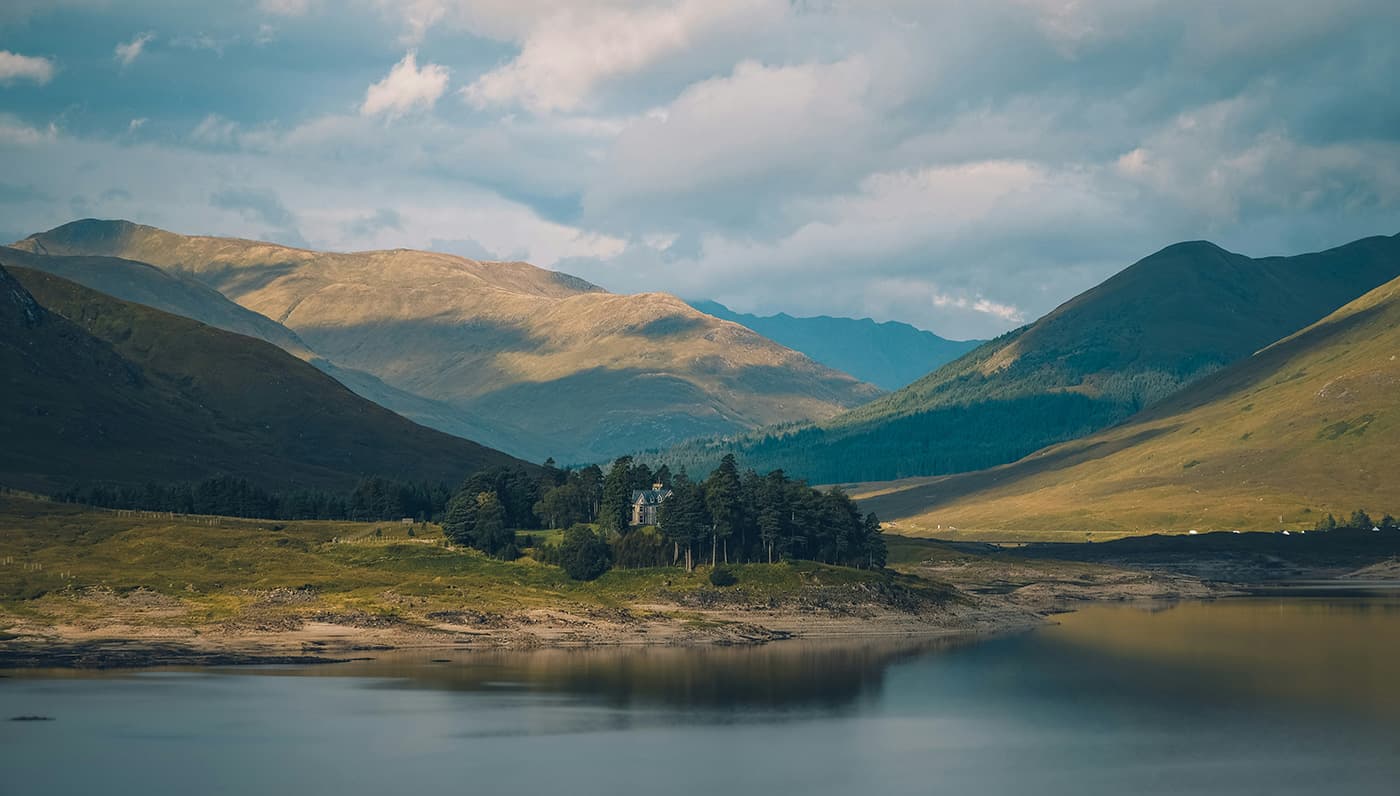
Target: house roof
[{"x": 649, "y": 497}]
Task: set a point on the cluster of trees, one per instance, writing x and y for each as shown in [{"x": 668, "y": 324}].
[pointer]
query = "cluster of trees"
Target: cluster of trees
[
  {"x": 730, "y": 516},
  {"x": 372, "y": 499},
  {"x": 588, "y": 496},
  {"x": 749, "y": 517},
  {"x": 491, "y": 505},
  {"x": 1359, "y": 521}
]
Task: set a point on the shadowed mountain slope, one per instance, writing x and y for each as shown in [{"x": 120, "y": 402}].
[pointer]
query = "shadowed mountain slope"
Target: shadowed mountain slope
[
  {"x": 146, "y": 284},
  {"x": 99, "y": 389},
  {"x": 515, "y": 346},
  {"x": 1308, "y": 425},
  {"x": 1163, "y": 323},
  {"x": 889, "y": 355}
]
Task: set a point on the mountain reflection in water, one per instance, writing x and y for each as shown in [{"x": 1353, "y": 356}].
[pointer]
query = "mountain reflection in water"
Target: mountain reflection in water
[{"x": 1269, "y": 696}]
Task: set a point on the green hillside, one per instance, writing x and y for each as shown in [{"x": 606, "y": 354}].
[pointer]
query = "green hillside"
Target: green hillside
[
  {"x": 98, "y": 389},
  {"x": 1305, "y": 427},
  {"x": 889, "y": 355},
  {"x": 1163, "y": 323}
]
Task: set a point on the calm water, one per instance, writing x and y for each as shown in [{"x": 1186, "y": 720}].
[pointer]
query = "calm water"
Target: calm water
[{"x": 1268, "y": 696}]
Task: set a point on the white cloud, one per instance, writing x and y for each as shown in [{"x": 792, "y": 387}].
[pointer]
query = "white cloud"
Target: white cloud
[
  {"x": 405, "y": 88},
  {"x": 14, "y": 66},
  {"x": 214, "y": 130},
  {"x": 15, "y": 132},
  {"x": 570, "y": 53},
  {"x": 758, "y": 135},
  {"x": 287, "y": 8},
  {"x": 1005, "y": 312},
  {"x": 128, "y": 52}
]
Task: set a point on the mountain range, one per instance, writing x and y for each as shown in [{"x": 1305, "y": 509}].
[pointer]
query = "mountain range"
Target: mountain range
[
  {"x": 1309, "y": 425},
  {"x": 99, "y": 389},
  {"x": 1195, "y": 388},
  {"x": 889, "y": 355},
  {"x": 532, "y": 361},
  {"x": 1159, "y": 325}
]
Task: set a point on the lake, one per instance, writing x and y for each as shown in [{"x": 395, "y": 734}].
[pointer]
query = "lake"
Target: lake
[{"x": 1269, "y": 695}]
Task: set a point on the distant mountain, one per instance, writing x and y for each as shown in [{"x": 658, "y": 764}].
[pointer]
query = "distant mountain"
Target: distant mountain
[
  {"x": 96, "y": 389},
  {"x": 146, "y": 284},
  {"x": 1307, "y": 426},
  {"x": 889, "y": 355},
  {"x": 557, "y": 366},
  {"x": 1157, "y": 326}
]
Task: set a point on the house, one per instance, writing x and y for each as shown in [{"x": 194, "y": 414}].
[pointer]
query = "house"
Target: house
[{"x": 646, "y": 504}]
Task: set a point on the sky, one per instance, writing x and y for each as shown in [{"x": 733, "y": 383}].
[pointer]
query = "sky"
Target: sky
[{"x": 961, "y": 166}]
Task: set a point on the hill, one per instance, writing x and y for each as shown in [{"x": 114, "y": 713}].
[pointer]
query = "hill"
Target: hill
[
  {"x": 101, "y": 390},
  {"x": 1304, "y": 427},
  {"x": 1163, "y": 323},
  {"x": 889, "y": 355},
  {"x": 518, "y": 347},
  {"x": 143, "y": 283}
]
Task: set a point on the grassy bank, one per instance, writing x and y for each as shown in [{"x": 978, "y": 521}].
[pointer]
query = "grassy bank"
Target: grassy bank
[{"x": 65, "y": 564}]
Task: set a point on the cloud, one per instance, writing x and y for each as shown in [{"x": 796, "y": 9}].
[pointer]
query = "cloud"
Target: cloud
[
  {"x": 14, "y": 194},
  {"x": 204, "y": 41},
  {"x": 960, "y": 164},
  {"x": 756, "y": 137},
  {"x": 15, "y": 132},
  {"x": 14, "y": 67},
  {"x": 465, "y": 247},
  {"x": 255, "y": 205},
  {"x": 568, "y": 54},
  {"x": 366, "y": 226},
  {"x": 127, "y": 52},
  {"x": 406, "y": 88},
  {"x": 214, "y": 130},
  {"x": 287, "y": 8}
]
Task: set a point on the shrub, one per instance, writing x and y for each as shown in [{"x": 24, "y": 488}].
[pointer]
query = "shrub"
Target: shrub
[
  {"x": 723, "y": 576},
  {"x": 583, "y": 554}
]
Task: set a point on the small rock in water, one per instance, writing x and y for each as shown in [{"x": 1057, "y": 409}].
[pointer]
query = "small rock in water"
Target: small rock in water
[{"x": 31, "y": 718}]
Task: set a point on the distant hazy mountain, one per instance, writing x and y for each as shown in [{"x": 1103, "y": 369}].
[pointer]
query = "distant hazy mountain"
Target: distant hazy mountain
[
  {"x": 96, "y": 389},
  {"x": 1307, "y": 426},
  {"x": 888, "y": 355},
  {"x": 555, "y": 365},
  {"x": 1143, "y": 334}
]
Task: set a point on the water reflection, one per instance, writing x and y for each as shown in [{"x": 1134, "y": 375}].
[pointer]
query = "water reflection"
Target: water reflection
[
  {"x": 1310, "y": 650},
  {"x": 793, "y": 676},
  {"x": 1220, "y": 698}
]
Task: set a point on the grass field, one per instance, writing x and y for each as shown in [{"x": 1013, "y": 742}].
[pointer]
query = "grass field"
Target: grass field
[{"x": 69, "y": 563}]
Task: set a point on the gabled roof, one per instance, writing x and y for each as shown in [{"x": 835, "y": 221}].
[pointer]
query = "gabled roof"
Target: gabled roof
[{"x": 650, "y": 497}]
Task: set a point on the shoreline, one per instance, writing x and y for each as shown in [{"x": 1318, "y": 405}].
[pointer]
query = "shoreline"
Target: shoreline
[
  {"x": 109, "y": 646},
  {"x": 118, "y": 647}
]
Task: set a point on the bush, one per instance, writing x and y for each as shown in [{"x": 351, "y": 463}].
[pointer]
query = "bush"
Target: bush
[
  {"x": 723, "y": 576},
  {"x": 643, "y": 547},
  {"x": 583, "y": 554}
]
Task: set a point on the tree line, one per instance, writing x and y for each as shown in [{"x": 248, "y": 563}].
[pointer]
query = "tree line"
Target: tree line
[
  {"x": 1358, "y": 521},
  {"x": 729, "y": 517},
  {"x": 371, "y": 499}
]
